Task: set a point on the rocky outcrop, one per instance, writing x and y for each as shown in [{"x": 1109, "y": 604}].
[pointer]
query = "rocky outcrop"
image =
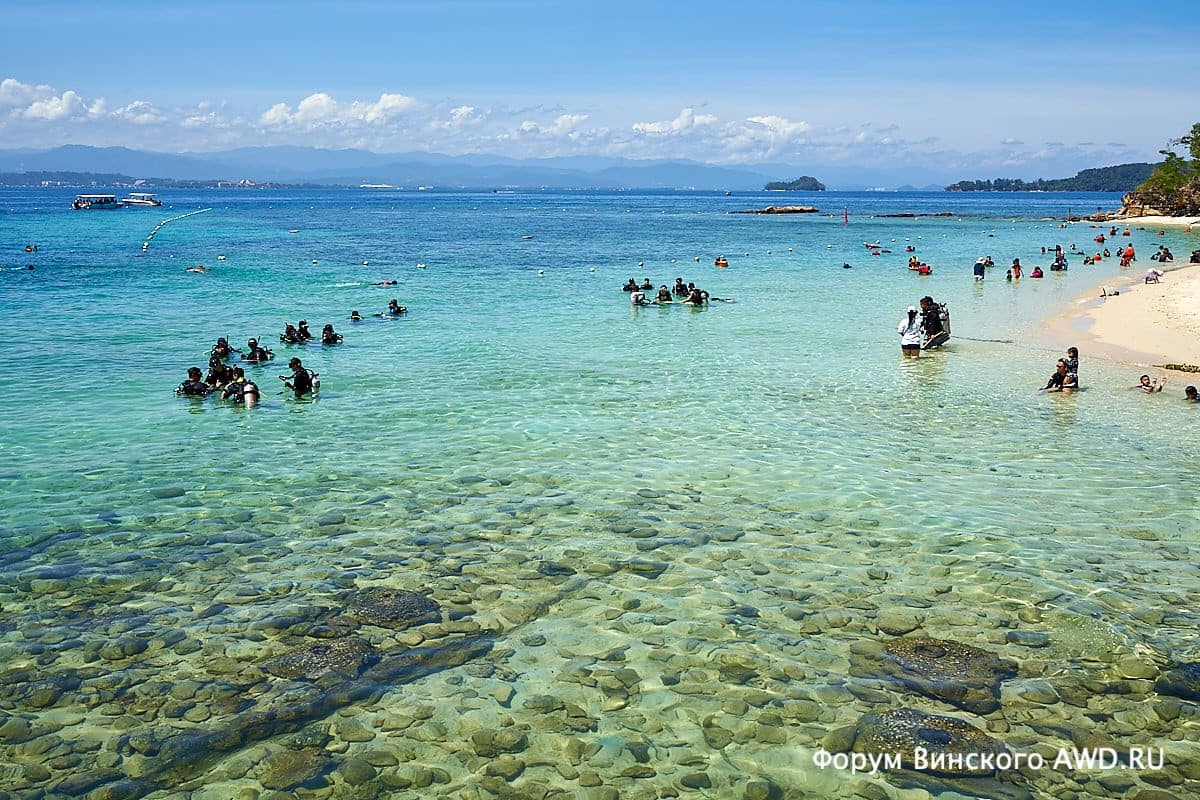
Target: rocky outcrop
[
  {"x": 955, "y": 673},
  {"x": 1182, "y": 202},
  {"x": 780, "y": 210}
]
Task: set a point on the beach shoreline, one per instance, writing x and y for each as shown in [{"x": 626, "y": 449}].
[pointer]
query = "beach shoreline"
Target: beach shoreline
[
  {"x": 1125, "y": 320},
  {"x": 1156, "y": 221}
]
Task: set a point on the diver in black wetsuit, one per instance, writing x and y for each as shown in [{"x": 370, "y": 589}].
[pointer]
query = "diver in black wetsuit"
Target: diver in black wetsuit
[
  {"x": 255, "y": 354},
  {"x": 931, "y": 319},
  {"x": 301, "y": 379},
  {"x": 193, "y": 386}
]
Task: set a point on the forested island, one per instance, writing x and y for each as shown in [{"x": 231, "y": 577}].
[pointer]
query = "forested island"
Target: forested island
[
  {"x": 805, "y": 183},
  {"x": 1121, "y": 178}
]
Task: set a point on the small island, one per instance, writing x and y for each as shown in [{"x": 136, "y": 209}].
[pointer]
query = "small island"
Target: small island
[{"x": 805, "y": 183}]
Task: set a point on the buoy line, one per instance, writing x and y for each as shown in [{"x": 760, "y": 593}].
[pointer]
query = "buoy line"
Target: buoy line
[{"x": 159, "y": 226}]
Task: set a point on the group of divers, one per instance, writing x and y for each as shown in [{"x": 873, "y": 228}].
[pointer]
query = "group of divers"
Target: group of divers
[
  {"x": 684, "y": 294},
  {"x": 229, "y": 381}
]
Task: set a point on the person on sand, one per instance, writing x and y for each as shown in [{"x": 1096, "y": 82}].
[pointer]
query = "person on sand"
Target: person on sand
[
  {"x": 1152, "y": 275},
  {"x": 1060, "y": 379},
  {"x": 911, "y": 331},
  {"x": 1189, "y": 394},
  {"x": 1151, "y": 385}
]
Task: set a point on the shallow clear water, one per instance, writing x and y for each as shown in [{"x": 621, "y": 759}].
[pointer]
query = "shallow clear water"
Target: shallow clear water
[{"x": 721, "y": 481}]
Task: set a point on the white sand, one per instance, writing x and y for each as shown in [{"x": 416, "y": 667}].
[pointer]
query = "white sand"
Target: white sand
[{"x": 1147, "y": 324}]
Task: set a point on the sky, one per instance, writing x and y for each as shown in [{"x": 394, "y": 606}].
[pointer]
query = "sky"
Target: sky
[{"x": 1015, "y": 89}]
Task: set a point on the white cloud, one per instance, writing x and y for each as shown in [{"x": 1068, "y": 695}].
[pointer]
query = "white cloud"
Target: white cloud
[
  {"x": 15, "y": 93},
  {"x": 140, "y": 112},
  {"x": 780, "y": 127},
  {"x": 66, "y": 106},
  {"x": 687, "y": 120},
  {"x": 321, "y": 109}
]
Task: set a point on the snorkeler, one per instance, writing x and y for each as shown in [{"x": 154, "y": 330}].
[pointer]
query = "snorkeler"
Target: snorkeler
[
  {"x": 301, "y": 381},
  {"x": 329, "y": 336}
]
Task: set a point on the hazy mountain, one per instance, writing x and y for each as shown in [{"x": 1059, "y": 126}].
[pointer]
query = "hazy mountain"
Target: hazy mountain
[
  {"x": 81, "y": 158},
  {"x": 352, "y": 167}
]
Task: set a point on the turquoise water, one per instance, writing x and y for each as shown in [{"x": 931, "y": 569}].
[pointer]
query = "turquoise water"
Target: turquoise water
[{"x": 721, "y": 481}]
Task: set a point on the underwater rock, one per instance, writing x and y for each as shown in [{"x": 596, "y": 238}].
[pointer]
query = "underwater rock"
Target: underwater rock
[
  {"x": 393, "y": 608},
  {"x": 955, "y": 673},
  {"x": 289, "y": 768},
  {"x": 185, "y": 753},
  {"x": 903, "y": 730},
  {"x": 1182, "y": 680},
  {"x": 312, "y": 661}
]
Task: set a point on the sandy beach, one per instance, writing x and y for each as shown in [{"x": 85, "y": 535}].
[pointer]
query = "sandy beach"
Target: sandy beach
[
  {"x": 1146, "y": 324},
  {"x": 1156, "y": 221}
]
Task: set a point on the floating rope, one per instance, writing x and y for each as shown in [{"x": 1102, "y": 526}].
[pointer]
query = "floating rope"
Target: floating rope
[{"x": 159, "y": 226}]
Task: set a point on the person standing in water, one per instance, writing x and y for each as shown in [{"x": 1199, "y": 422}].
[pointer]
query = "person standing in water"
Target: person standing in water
[{"x": 911, "y": 330}]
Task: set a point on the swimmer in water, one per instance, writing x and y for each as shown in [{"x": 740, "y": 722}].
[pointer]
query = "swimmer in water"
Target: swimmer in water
[
  {"x": 664, "y": 295},
  {"x": 384, "y": 283},
  {"x": 394, "y": 309},
  {"x": 355, "y": 316}
]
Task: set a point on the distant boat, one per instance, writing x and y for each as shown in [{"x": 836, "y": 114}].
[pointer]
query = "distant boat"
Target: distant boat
[
  {"x": 141, "y": 199},
  {"x": 84, "y": 202},
  {"x": 376, "y": 186}
]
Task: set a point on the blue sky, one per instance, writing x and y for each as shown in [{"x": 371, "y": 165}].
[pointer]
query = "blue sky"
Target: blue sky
[{"x": 1011, "y": 88}]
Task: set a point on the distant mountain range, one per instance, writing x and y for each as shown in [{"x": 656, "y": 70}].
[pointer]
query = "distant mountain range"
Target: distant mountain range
[{"x": 405, "y": 170}]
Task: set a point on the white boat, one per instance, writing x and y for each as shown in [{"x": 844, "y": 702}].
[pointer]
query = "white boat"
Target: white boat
[
  {"x": 141, "y": 199},
  {"x": 95, "y": 201}
]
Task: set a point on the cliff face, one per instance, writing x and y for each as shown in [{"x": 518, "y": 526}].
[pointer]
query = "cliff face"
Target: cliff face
[{"x": 1182, "y": 202}]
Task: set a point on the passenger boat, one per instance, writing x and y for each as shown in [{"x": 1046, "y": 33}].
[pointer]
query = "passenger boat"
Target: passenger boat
[
  {"x": 95, "y": 201},
  {"x": 141, "y": 199}
]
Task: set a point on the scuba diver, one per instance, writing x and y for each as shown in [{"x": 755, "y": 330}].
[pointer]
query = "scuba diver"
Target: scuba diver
[
  {"x": 240, "y": 389},
  {"x": 302, "y": 381},
  {"x": 221, "y": 349},
  {"x": 664, "y": 295},
  {"x": 935, "y": 320},
  {"x": 646, "y": 286},
  {"x": 679, "y": 290},
  {"x": 193, "y": 386},
  {"x": 219, "y": 373},
  {"x": 290, "y": 335},
  {"x": 328, "y": 336},
  {"x": 303, "y": 332},
  {"x": 394, "y": 309},
  {"x": 256, "y": 354}
]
